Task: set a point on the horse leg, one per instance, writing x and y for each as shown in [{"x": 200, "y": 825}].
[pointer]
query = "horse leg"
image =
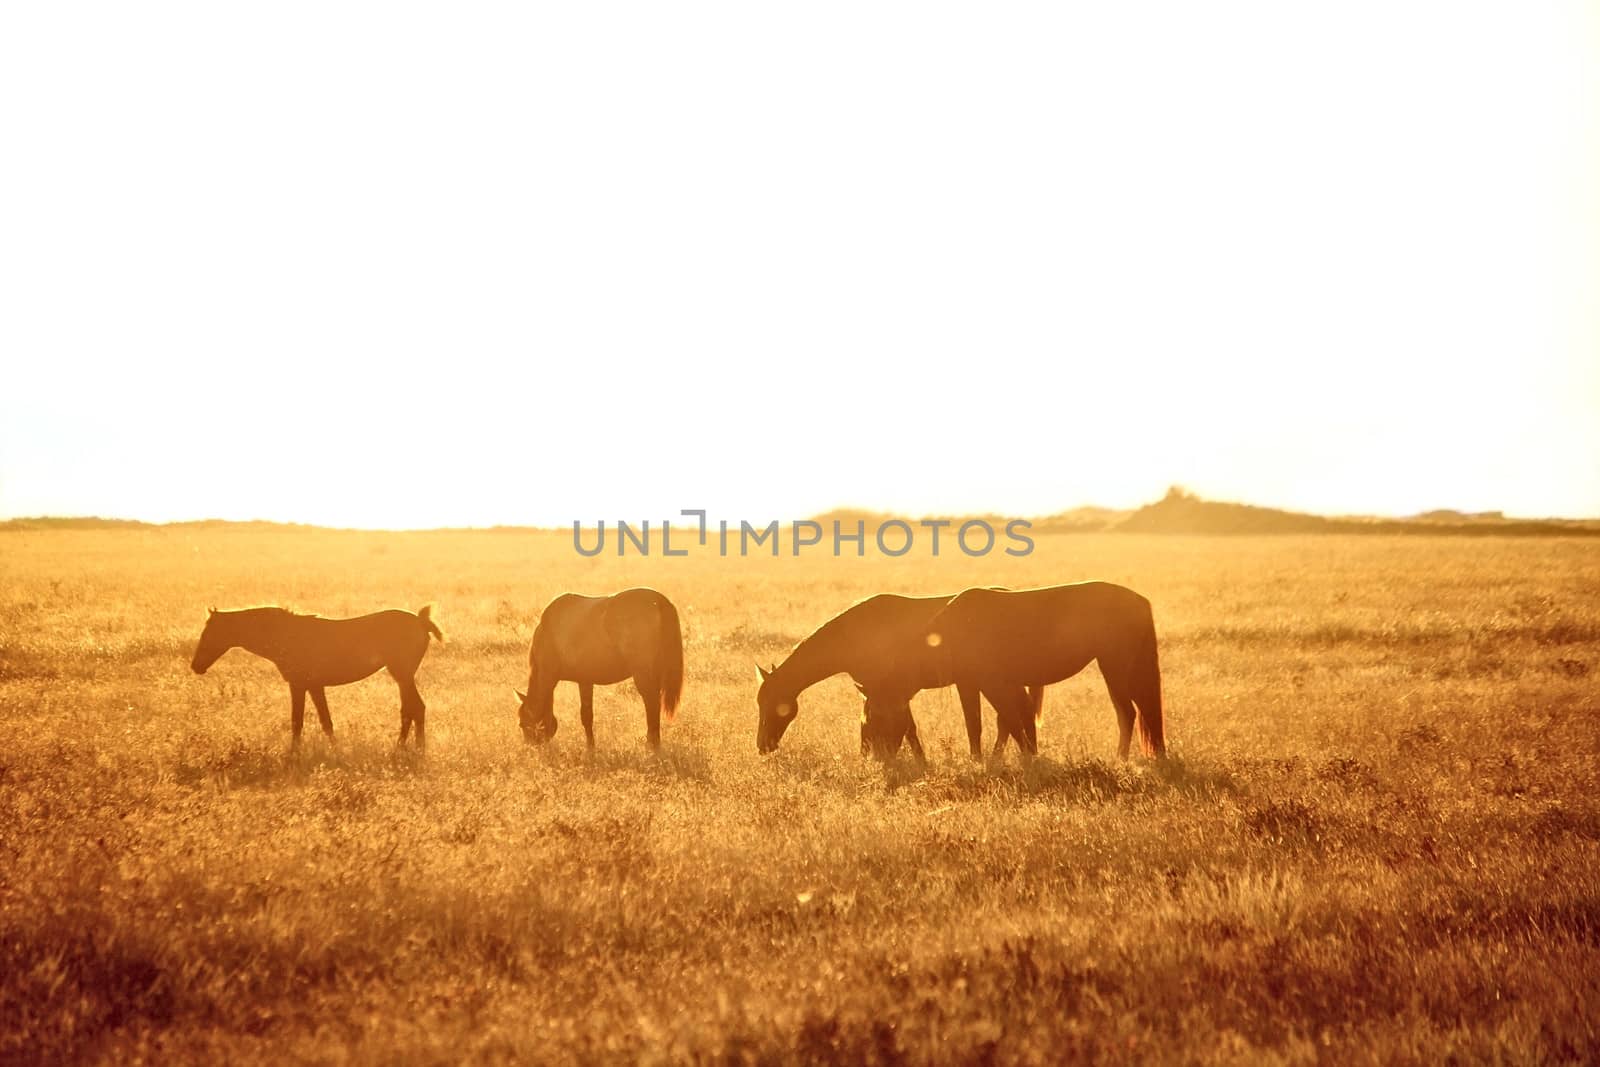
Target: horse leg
[
  {"x": 1012, "y": 707},
  {"x": 972, "y": 711},
  {"x": 412, "y": 710},
  {"x": 1035, "y": 712},
  {"x": 1022, "y": 714},
  {"x": 1002, "y": 730},
  {"x": 419, "y": 717},
  {"x": 650, "y": 692},
  {"x": 912, "y": 739},
  {"x": 1122, "y": 700},
  {"x": 320, "y": 698},
  {"x": 405, "y": 713},
  {"x": 297, "y": 713},
  {"x": 1030, "y": 716},
  {"x": 586, "y": 710}
]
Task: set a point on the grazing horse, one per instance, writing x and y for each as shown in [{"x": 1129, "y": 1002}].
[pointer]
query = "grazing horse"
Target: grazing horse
[
  {"x": 868, "y": 641},
  {"x": 1004, "y": 642},
  {"x": 601, "y": 640},
  {"x": 312, "y": 652},
  {"x": 886, "y": 721}
]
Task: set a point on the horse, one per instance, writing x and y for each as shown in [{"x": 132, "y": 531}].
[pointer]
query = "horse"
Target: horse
[
  {"x": 312, "y": 652},
  {"x": 887, "y": 723},
  {"x": 601, "y": 640},
  {"x": 868, "y": 641},
  {"x": 1006, "y": 642}
]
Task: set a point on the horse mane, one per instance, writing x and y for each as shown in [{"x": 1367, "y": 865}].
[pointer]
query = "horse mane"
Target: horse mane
[
  {"x": 819, "y": 643},
  {"x": 844, "y": 618},
  {"x": 838, "y": 621},
  {"x": 831, "y": 623},
  {"x": 272, "y": 609}
]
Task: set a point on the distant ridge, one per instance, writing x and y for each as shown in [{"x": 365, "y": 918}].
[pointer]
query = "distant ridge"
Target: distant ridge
[
  {"x": 1181, "y": 512},
  {"x": 95, "y": 522},
  {"x": 86, "y": 522},
  {"x": 1077, "y": 520}
]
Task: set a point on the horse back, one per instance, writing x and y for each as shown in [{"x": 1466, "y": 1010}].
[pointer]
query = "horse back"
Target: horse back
[
  {"x": 1041, "y": 635},
  {"x": 565, "y": 629},
  {"x": 881, "y": 641},
  {"x": 635, "y": 620},
  {"x": 599, "y": 639},
  {"x": 320, "y": 651}
]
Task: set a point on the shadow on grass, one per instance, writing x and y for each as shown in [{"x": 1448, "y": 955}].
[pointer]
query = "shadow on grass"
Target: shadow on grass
[
  {"x": 901, "y": 771},
  {"x": 1195, "y": 779},
  {"x": 1077, "y": 780},
  {"x": 242, "y": 763},
  {"x": 670, "y": 762},
  {"x": 618, "y": 756}
]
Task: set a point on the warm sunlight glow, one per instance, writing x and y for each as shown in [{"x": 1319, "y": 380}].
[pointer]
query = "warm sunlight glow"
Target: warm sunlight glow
[{"x": 392, "y": 266}]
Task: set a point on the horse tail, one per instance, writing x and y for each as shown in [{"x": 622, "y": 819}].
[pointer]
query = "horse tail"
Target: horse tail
[
  {"x": 424, "y": 614},
  {"x": 669, "y": 658},
  {"x": 1147, "y": 691}
]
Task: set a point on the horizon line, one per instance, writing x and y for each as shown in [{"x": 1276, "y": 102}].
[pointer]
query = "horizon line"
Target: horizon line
[{"x": 864, "y": 513}]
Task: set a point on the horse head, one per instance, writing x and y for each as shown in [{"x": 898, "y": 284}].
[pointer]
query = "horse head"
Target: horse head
[
  {"x": 213, "y": 642},
  {"x": 775, "y": 710},
  {"x": 537, "y": 728},
  {"x": 885, "y": 722}
]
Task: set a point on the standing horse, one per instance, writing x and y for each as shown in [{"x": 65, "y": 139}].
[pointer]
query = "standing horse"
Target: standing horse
[
  {"x": 869, "y": 641},
  {"x": 1005, "y": 642},
  {"x": 312, "y": 652},
  {"x": 601, "y": 640}
]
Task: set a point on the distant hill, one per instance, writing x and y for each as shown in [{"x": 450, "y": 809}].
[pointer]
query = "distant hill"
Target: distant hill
[
  {"x": 848, "y": 517},
  {"x": 1452, "y": 517},
  {"x": 1181, "y": 512},
  {"x": 94, "y": 522},
  {"x": 1080, "y": 520},
  {"x": 87, "y": 522}
]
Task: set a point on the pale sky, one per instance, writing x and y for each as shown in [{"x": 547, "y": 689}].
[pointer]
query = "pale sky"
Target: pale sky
[{"x": 417, "y": 265}]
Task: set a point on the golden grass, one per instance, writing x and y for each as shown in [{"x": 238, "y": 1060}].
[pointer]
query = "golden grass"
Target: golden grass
[{"x": 1378, "y": 839}]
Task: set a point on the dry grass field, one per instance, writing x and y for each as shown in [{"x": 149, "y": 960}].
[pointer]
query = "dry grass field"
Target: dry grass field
[{"x": 1377, "y": 839}]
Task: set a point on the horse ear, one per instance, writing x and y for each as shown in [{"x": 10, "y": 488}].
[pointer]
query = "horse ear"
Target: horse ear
[
  {"x": 522, "y": 698},
  {"x": 212, "y": 610},
  {"x": 762, "y": 672}
]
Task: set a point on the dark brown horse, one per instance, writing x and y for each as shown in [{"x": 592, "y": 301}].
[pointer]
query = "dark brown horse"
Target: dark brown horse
[
  {"x": 887, "y": 723},
  {"x": 601, "y": 640},
  {"x": 1005, "y": 642},
  {"x": 869, "y": 641},
  {"x": 312, "y": 652}
]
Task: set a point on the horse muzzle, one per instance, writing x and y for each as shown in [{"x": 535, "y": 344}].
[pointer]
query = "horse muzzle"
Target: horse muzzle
[{"x": 540, "y": 733}]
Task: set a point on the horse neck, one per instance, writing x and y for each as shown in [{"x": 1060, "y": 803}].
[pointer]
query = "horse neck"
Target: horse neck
[
  {"x": 261, "y": 632},
  {"x": 822, "y": 655},
  {"x": 543, "y": 697}
]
